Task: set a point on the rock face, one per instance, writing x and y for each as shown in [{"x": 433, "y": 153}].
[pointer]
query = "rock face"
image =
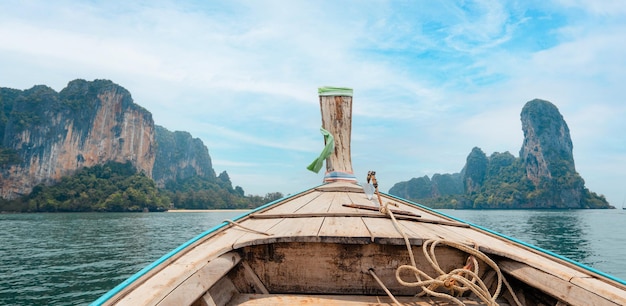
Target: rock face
[
  {"x": 475, "y": 170},
  {"x": 424, "y": 187},
  {"x": 547, "y": 153},
  {"x": 87, "y": 123},
  {"x": 51, "y": 135},
  {"x": 180, "y": 156},
  {"x": 547, "y": 141},
  {"x": 543, "y": 176}
]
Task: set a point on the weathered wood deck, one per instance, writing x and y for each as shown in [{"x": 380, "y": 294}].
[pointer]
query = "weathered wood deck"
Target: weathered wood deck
[
  {"x": 331, "y": 246},
  {"x": 303, "y": 235},
  {"x": 338, "y": 300}
]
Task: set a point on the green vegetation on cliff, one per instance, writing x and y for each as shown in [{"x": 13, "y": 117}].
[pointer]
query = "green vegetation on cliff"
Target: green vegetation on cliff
[
  {"x": 36, "y": 122},
  {"x": 441, "y": 185},
  {"x": 544, "y": 176},
  {"x": 205, "y": 193},
  {"x": 118, "y": 187},
  {"x": 500, "y": 182},
  {"x": 179, "y": 156},
  {"x": 113, "y": 187},
  {"x": 184, "y": 171},
  {"x": 506, "y": 185}
]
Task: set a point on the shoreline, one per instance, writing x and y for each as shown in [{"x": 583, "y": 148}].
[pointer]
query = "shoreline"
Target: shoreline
[{"x": 206, "y": 210}]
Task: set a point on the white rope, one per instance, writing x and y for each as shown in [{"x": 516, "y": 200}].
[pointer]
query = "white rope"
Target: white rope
[
  {"x": 246, "y": 228},
  {"x": 393, "y": 298},
  {"x": 456, "y": 281},
  {"x": 468, "y": 279}
]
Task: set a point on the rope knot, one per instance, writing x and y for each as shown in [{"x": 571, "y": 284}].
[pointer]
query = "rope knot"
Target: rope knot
[
  {"x": 458, "y": 280},
  {"x": 449, "y": 283}
]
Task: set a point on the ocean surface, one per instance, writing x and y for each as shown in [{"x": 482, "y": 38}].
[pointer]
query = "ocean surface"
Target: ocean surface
[{"x": 74, "y": 258}]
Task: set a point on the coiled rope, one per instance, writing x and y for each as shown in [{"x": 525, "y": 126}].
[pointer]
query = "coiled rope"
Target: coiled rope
[{"x": 456, "y": 281}]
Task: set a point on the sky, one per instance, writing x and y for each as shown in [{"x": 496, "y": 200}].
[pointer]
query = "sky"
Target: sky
[{"x": 431, "y": 79}]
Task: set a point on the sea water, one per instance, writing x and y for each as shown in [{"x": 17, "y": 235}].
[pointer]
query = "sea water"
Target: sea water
[{"x": 74, "y": 258}]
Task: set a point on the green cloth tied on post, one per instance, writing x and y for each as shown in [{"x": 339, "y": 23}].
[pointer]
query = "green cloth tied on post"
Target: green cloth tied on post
[
  {"x": 316, "y": 165},
  {"x": 334, "y": 91}
]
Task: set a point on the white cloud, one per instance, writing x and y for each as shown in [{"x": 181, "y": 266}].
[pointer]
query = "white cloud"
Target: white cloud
[{"x": 431, "y": 79}]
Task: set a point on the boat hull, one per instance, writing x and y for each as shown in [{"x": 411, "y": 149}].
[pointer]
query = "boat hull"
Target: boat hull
[{"x": 322, "y": 243}]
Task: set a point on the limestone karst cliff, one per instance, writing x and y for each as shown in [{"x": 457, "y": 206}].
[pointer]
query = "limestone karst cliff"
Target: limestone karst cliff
[
  {"x": 85, "y": 124},
  {"x": 546, "y": 140},
  {"x": 544, "y": 176},
  {"x": 547, "y": 154},
  {"x": 47, "y": 135},
  {"x": 180, "y": 156},
  {"x": 425, "y": 187}
]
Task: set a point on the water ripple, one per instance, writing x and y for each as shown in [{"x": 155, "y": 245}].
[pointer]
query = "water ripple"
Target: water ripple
[{"x": 72, "y": 259}]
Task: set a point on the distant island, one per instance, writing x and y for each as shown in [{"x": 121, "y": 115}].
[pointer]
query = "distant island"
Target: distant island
[
  {"x": 89, "y": 147},
  {"x": 542, "y": 177}
]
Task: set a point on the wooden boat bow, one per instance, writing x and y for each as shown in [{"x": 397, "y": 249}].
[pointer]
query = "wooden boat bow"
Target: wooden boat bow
[{"x": 331, "y": 245}]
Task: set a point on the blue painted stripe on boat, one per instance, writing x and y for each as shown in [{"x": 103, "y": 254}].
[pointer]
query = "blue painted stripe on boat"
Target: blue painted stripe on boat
[
  {"x": 581, "y": 265},
  {"x": 117, "y": 289},
  {"x": 339, "y": 174}
]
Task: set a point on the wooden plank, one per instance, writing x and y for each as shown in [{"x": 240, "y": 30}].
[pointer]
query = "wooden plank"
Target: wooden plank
[
  {"x": 338, "y": 201},
  {"x": 410, "y": 211},
  {"x": 338, "y": 268},
  {"x": 341, "y": 186},
  {"x": 199, "y": 282},
  {"x": 487, "y": 242},
  {"x": 416, "y": 209},
  {"x": 302, "y": 228},
  {"x": 222, "y": 292},
  {"x": 382, "y": 231},
  {"x": 293, "y": 205},
  {"x": 443, "y": 232},
  {"x": 321, "y": 203},
  {"x": 614, "y": 292},
  {"x": 325, "y": 214},
  {"x": 361, "y": 199},
  {"x": 254, "y": 278},
  {"x": 555, "y": 286},
  {"x": 418, "y": 230},
  {"x": 252, "y": 225},
  {"x": 171, "y": 273},
  {"x": 330, "y": 300},
  {"x": 347, "y": 214},
  {"x": 374, "y": 208},
  {"x": 308, "y": 267},
  {"x": 281, "y": 229},
  {"x": 341, "y": 227},
  {"x": 250, "y": 238}
]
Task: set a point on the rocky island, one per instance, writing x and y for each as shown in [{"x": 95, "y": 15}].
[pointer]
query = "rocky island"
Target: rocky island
[
  {"x": 542, "y": 177},
  {"x": 89, "y": 147}
]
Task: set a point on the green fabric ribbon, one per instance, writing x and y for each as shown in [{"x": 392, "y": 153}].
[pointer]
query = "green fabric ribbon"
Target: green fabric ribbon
[
  {"x": 316, "y": 165},
  {"x": 334, "y": 91}
]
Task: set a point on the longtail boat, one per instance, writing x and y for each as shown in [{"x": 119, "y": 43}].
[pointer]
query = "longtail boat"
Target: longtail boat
[{"x": 345, "y": 243}]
